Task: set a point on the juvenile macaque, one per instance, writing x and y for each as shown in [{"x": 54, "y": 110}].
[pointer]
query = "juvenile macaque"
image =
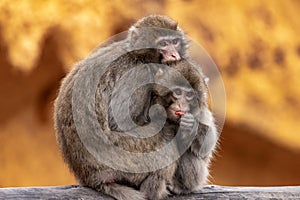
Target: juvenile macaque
[
  {"x": 192, "y": 168},
  {"x": 181, "y": 104},
  {"x": 188, "y": 117}
]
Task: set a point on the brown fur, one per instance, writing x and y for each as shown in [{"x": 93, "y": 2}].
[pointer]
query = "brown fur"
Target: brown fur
[
  {"x": 192, "y": 169},
  {"x": 87, "y": 170},
  {"x": 157, "y": 21},
  {"x": 118, "y": 58}
]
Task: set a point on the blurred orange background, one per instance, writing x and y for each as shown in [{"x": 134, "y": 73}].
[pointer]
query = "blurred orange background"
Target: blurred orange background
[{"x": 255, "y": 44}]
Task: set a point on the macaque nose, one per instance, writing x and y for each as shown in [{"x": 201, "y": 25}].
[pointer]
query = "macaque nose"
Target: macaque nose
[
  {"x": 184, "y": 106},
  {"x": 170, "y": 53},
  {"x": 175, "y": 56}
]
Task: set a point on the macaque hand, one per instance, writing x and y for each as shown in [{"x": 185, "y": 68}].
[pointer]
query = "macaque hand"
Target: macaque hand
[
  {"x": 186, "y": 125},
  {"x": 187, "y": 122},
  {"x": 205, "y": 141}
]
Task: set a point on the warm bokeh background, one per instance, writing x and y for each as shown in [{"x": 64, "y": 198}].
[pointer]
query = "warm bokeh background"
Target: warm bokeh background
[{"x": 255, "y": 44}]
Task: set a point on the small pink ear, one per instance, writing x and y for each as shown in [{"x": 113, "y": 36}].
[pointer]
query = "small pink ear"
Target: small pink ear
[
  {"x": 133, "y": 34},
  {"x": 159, "y": 72},
  {"x": 206, "y": 80}
]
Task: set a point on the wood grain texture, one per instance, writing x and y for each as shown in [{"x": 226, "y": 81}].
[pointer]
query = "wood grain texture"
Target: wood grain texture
[{"x": 207, "y": 192}]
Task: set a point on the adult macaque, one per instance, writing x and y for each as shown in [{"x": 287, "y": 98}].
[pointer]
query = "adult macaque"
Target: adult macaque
[{"x": 153, "y": 39}]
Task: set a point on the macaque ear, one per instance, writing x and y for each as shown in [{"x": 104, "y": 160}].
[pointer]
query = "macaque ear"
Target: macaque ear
[
  {"x": 133, "y": 34},
  {"x": 206, "y": 80}
]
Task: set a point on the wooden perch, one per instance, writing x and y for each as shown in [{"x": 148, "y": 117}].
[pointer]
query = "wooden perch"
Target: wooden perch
[{"x": 208, "y": 192}]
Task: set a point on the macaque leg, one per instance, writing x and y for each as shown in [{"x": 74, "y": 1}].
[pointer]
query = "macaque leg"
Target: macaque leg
[
  {"x": 191, "y": 174},
  {"x": 155, "y": 185}
]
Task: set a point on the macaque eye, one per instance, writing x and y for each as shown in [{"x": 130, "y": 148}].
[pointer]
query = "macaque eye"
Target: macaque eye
[
  {"x": 163, "y": 43},
  {"x": 190, "y": 95},
  {"x": 177, "y": 92},
  {"x": 175, "y": 41}
]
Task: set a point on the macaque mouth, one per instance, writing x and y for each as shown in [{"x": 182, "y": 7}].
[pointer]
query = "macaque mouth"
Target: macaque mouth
[{"x": 179, "y": 113}]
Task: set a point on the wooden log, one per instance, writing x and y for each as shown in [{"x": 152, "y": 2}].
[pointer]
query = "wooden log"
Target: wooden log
[{"x": 207, "y": 192}]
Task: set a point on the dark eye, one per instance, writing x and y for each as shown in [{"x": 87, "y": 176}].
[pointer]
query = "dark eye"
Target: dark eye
[
  {"x": 190, "y": 95},
  {"x": 163, "y": 43},
  {"x": 177, "y": 92},
  {"x": 175, "y": 41}
]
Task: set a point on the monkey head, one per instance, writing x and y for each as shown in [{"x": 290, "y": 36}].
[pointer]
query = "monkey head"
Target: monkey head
[
  {"x": 175, "y": 92},
  {"x": 182, "y": 100},
  {"x": 160, "y": 33}
]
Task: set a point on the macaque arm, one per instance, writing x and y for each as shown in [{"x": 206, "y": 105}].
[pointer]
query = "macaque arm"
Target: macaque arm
[
  {"x": 131, "y": 100},
  {"x": 138, "y": 111},
  {"x": 140, "y": 105},
  {"x": 205, "y": 141},
  {"x": 187, "y": 132}
]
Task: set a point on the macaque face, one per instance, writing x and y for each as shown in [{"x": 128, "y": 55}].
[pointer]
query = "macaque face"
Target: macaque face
[
  {"x": 182, "y": 100},
  {"x": 170, "y": 47}
]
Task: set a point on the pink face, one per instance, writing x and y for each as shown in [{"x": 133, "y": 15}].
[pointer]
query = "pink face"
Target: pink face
[
  {"x": 181, "y": 98},
  {"x": 171, "y": 47}
]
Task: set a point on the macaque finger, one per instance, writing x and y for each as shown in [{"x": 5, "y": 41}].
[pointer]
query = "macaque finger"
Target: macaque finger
[
  {"x": 186, "y": 125},
  {"x": 188, "y": 119},
  {"x": 191, "y": 120}
]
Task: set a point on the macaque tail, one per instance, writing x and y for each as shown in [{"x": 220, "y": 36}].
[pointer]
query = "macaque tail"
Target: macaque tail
[{"x": 121, "y": 192}]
